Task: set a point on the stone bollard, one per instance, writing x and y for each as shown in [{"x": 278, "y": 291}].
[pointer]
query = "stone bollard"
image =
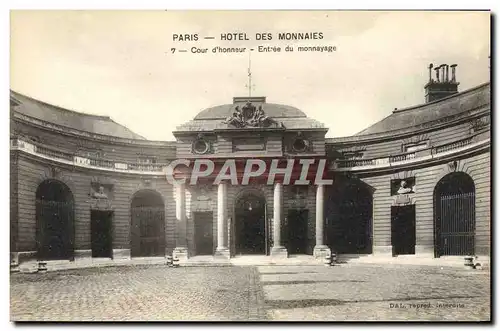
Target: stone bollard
[
  {"x": 14, "y": 268},
  {"x": 169, "y": 261},
  {"x": 327, "y": 261},
  {"x": 175, "y": 262},
  {"x": 469, "y": 264},
  {"x": 42, "y": 266},
  {"x": 334, "y": 259}
]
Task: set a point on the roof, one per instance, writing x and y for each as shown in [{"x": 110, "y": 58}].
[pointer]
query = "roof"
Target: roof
[
  {"x": 432, "y": 111},
  {"x": 213, "y": 118},
  {"x": 103, "y": 125},
  {"x": 271, "y": 109}
]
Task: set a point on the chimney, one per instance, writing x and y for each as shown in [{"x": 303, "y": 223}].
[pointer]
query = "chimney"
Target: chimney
[{"x": 442, "y": 86}]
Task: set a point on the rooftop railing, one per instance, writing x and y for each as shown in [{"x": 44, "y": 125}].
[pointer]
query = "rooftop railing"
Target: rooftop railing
[
  {"x": 406, "y": 157},
  {"x": 452, "y": 146},
  {"x": 69, "y": 158},
  {"x": 53, "y": 153}
]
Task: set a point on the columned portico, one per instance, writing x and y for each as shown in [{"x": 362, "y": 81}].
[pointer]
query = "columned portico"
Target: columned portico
[
  {"x": 278, "y": 249},
  {"x": 320, "y": 250},
  {"x": 180, "y": 249},
  {"x": 222, "y": 246}
]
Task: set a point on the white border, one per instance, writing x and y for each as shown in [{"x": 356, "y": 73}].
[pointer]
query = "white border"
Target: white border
[{"x": 150, "y": 4}]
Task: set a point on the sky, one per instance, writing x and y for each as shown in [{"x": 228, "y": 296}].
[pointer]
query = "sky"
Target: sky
[{"x": 120, "y": 63}]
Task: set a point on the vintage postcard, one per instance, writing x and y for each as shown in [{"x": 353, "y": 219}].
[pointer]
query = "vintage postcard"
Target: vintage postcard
[{"x": 250, "y": 165}]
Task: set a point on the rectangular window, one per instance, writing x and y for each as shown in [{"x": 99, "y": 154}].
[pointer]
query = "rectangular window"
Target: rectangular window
[{"x": 249, "y": 144}]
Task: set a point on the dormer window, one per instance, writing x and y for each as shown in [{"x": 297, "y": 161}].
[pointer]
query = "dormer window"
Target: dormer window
[
  {"x": 352, "y": 155},
  {"x": 479, "y": 124}
]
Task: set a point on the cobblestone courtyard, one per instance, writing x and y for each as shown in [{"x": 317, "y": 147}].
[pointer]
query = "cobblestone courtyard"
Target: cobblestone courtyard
[{"x": 357, "y": 292}]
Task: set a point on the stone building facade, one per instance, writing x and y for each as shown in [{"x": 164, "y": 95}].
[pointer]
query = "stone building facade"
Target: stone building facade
[{"x": 415, "y": 183}]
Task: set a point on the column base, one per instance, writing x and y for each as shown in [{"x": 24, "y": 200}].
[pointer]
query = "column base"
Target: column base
[
  {"x": 222, "y": 252},
  {"x": 320, "y": 251},
  {"x": 279, "y": 252},
  {"x": 121, "y": 254},
  {"x": 182, "y": 253}
]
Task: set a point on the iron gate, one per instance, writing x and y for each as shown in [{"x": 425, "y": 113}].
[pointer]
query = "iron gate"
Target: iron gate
[
  {"x": 148, "y": 235},
  {"x": 456, "y": 224},
  {"x": 55, "y": 229}
]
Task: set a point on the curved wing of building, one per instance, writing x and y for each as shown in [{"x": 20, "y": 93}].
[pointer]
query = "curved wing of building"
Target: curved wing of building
[
  {"x": 415, "y": 183},
  {"x": 30, "y": 108}
]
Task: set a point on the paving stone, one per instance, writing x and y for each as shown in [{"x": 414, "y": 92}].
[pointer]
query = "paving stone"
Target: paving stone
[
  {"x": 144, "y": 293},
  {"x": 290, "y": 293},
  {"x": 379, "y": 293}
]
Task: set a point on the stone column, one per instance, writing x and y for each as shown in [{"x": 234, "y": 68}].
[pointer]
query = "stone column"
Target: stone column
[
  {"x": 181, "y": 250},
  {"x": 277, "y": 249},
  {"x": 222, "y": 249},
  {"x": 320, "y": 250}
]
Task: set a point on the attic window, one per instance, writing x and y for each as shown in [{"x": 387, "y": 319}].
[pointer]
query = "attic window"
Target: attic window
[
  {"x": 480, "y": 124},
  {"x": 147, "y": 160},
  {"x": 352, "y": 155},
  {"x": 413, "y": 147},
  {"x": 91, "y": 154}
]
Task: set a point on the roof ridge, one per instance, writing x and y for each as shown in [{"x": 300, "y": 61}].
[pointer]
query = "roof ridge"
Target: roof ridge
[{"x": 395, "y": 111}]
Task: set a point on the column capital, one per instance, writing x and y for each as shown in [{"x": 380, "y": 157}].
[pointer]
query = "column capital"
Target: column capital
[
  {"x": 180, "y": 184},
  {"x": 278, "y": 183}
]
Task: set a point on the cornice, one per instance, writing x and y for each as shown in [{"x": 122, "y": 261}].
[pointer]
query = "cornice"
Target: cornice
[
  {"x": 441, "y": 123},
  {"x": 45, "y": 125},
  {"x": 418, "y": 162},
  {"x": 31, "y": 151}
]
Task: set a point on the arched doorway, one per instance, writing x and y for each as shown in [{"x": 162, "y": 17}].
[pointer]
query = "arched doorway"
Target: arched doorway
[
  {"x": 349, "y": 213},
  {"x": 250, "y": 224},
  {"x": 55, "y": 221},
  {"x": 454, "y": 215},
  {"x": 147, "y": 224}
]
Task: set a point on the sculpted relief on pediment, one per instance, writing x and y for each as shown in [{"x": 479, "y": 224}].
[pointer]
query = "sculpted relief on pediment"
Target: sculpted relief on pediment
[{"x": 249, "y": 116}]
